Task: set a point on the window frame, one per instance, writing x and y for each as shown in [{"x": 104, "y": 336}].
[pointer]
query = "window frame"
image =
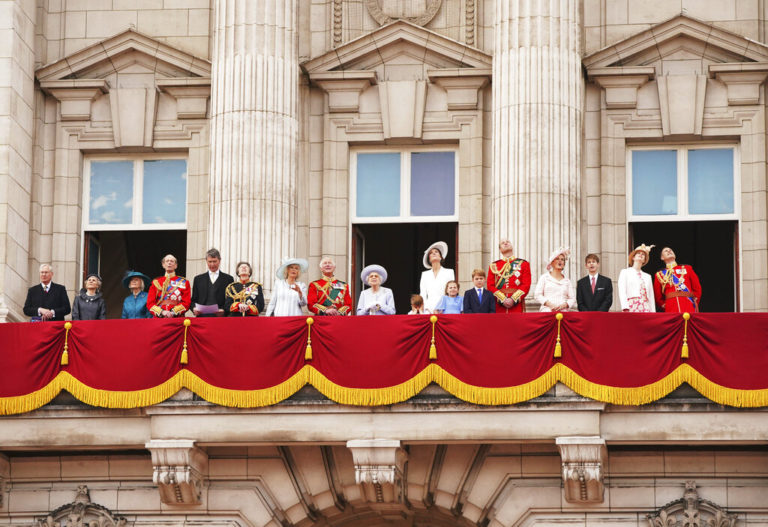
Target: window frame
[
  {"x": 682, "y": 150},
  {"x": 405, "y": 184},
  {"x": 138, "y": 192}
]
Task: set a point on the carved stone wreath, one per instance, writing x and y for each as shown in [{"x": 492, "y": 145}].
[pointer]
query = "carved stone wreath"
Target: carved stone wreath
[
  {"x": 81, "y": 513},
  {"x": 378, "y": 14},
  {"x": 691, "y": 511}
]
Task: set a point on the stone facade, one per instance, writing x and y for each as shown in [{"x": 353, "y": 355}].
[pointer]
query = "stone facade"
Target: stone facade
[{"x": 268, "y": 101}]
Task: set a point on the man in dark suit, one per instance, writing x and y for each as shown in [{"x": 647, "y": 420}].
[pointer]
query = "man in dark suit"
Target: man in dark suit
[
  {"x": 594, "y": 292},
  {"x": 479, "y": 299},
  {"x": 208, "y": 288},
  {"x": 47, "y": 301}
]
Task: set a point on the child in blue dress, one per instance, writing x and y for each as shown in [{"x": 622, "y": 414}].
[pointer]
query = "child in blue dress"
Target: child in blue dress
[{"x": 452, "y": 303}]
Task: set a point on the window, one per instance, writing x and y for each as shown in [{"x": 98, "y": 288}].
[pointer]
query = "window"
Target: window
[
  {"x": 135, "y": 194},
  {"x": 685, "y": 182},
  {"x": 405, "y": 186}
]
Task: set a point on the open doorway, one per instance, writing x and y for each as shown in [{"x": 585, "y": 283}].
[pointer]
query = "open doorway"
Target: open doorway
[
  {"x": 711, "y": 247},
  {"x": 399, "y": 248},
  {"x": 111, "y": 253}
]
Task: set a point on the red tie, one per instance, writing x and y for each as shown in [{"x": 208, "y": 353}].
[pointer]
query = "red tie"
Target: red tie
[{"x": 593, "y": 285}]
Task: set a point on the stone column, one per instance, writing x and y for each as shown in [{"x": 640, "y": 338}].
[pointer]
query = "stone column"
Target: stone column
[
  {"x": 17, "y": 125},
  {"x": 254, "y": 134},
  {"x": 537, "y": 128}
]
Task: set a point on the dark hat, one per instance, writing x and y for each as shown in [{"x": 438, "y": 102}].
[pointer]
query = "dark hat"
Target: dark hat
[{"x": 129, "y": 274}]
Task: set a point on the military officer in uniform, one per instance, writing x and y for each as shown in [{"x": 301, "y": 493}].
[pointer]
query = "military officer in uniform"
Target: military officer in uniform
[
  {"x": 509, "y": 279},
  {"x": 169, "y": 295},
  {"x": 676, "y": 287},
  {"x": 244, "y": 297},
  {"x": 329, "y": 295}
]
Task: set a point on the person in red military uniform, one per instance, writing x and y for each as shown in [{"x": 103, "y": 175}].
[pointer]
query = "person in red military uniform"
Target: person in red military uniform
[
  {"x": 169, "y": 295},
  {"x": 329, "y": 295},
  {"x": 676, "y": 288},
  {"x": 509, "y": 279}
]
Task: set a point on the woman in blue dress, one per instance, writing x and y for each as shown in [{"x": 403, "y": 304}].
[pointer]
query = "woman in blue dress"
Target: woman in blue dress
[
  {"x": 452, "y": 303},
  {"x": 135, "y": 304}
]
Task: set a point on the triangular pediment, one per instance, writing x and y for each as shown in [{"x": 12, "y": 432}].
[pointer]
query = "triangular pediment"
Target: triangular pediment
[
  {"x": 399, "y": 43},
  {"x": 127, "y": 52},
  {"x": 680, "y": 38}
]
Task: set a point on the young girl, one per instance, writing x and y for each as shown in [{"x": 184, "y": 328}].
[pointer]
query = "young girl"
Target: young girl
[
  {"x": 452, "y": 303},
  {"x": 417, "y": 306}
]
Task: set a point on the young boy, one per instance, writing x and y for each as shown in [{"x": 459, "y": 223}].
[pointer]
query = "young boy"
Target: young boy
[
  {"x": 479, "y": 299},
  {"x": 417, "y": 306},
  {"x": 594, "y": 292}
]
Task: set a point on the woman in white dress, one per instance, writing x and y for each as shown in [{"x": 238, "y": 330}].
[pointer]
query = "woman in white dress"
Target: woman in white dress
[
  {"x": 288, "y": 294},
  {"x": 635, "y": 286},
  {"x": 554, "y": 291},
  {"x": 376, "y": 300},
  {"x": 434, "y": 280}
]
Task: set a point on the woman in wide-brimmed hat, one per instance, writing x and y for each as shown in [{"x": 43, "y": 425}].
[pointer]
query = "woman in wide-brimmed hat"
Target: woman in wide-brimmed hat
[
  {"x": 135, "y": 304},
  {"x": 635, "y": 286},
  {"x": 288, "y": 294},
  {"x": 436, "y": 277},
  {"x": 376, "y": 300},
  {"x": 554, "y": 291}
]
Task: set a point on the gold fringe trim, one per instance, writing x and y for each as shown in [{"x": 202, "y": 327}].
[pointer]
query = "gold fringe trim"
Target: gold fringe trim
[{"x": 388, "y": 395}]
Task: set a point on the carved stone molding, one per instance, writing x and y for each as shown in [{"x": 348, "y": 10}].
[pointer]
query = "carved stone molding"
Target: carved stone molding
[
  {"x": 338, "y": 14},
  {"x": 402, "y": 108},
  {"x": 691, "y": 511},
  {"x": 469, "y": 22},
  {"x": 344, "y": 88},
  {"x": 621, "y": 84},
  {"x": 462, "y": 86},
  {"x": 742, "y": 80},
  {"x": 583, "y": 461},
  {"x": 191, "y": 94},
  {"x": 377, "y": 11},
  {"x": 5, "y": 472},
  {"x": 379, "y": 469},
  {"x": 75, "y": 96},
  {"x": 679, "y": 114},
  {"x": 178, "y": 470},
  {"x": 81, "y": 513}
]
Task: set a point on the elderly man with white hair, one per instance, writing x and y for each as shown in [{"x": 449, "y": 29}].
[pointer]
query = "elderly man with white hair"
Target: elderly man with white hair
[
  {"x": 169, "y": 295},
  {"x": 329, "y": 296},
  {"x": 46, "y": 300}
]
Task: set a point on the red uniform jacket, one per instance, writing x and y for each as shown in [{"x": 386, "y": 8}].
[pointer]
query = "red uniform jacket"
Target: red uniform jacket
[
  {"x": 323, "y": 294},
  {"x": 170, "y": 293},
  {"x": 509, "y": 278},
  {"x": 677, "y": 289}
]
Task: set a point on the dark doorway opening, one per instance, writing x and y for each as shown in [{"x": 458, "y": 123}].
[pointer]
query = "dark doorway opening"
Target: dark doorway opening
[
  {"x": 118, "y": 251},
  {"x": 399, "y": 248},
  {"x": 709, "y": 246}
]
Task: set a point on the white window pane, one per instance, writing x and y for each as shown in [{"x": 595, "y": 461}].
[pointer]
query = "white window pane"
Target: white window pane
[
  {"x": 433, "y": 184},
  {"x": 378, "y": 185},
  {"x": 710, "y": 181},
  {"x": 165, "y": 191},
  {"x": 654, "y": 182},
  {"x": 111, "y": 193}
]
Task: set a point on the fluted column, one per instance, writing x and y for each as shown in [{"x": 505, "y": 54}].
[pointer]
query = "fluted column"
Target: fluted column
[
  {"x": 537, "y": 126},
  {"x": 254, "y": 133}
]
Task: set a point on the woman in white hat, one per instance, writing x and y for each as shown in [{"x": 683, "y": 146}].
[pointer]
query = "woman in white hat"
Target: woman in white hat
[
  {"x": 376, "y": 300},
  {"x": 436, "y": 277},
  {"x": 635, "y": 286},
  {"x": 288, "y": 294},
  {"x": 554, "y": 291}
]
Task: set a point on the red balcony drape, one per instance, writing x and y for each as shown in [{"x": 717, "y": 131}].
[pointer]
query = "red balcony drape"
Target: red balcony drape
[{"x": 620, "y": 358}]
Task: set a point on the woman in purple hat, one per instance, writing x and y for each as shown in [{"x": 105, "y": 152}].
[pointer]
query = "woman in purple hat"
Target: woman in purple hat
[{"x": 376, "y": 300}]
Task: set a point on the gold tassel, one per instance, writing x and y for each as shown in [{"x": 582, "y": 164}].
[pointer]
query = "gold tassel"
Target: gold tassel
[
  {"x": 558, "y": 347},
  {"x": 432, "y": 347},
  {"x": 184, "y": 356},
  {"x": 65, "y": 355},
  {"x": 684, "y": 351},
  {"x": 308, "y": 351}
]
